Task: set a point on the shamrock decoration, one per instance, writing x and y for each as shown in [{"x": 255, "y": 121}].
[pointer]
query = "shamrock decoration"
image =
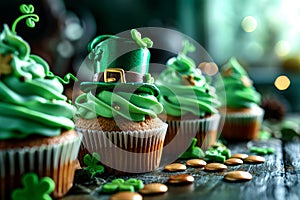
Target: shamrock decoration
[
  {"x": 92, "y": 164},
  {"x": 34, "y": 189},
  {"x": 187, "y": 47},
  {"x": 193, "y": 151},
  {"x": 27, "y": 11},
  {"x": 218, "y": 153},
  {"x": 119, "y": 184},
  {"x": 142, "y": 42}
]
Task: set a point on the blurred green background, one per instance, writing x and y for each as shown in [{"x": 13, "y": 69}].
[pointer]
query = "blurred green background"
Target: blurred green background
[{"x": 263, "y": 34}]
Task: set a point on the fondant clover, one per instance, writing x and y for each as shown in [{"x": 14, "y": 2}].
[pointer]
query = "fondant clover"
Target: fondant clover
[
  {"x": 142, "y": 42},
  {"x": 193, "y": 151},
  {"x": 27, "y": 11},
  {"x": 92, "y": 164},
  {"x": 34, "y": 189},
  {"x": 119, "y": 184},
  {"x": 217, "y": 153}
]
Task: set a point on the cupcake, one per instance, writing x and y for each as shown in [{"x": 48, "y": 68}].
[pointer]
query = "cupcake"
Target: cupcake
[
  {"x": 241, "y": 112},
  {"x": 190, "y": 104},
  {"x": 117, "y": 113},
  {"x": 37, "y": 132}
]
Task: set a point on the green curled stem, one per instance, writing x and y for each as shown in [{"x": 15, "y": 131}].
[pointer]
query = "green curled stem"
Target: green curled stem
[{"x": 34, "y": 17}]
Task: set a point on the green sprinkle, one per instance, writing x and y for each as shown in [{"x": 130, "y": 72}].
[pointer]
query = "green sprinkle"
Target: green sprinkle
[
  {"x": 262, "y": 150},
  {"x": 110, "y": 188},
  {"x": 119, "y": 184},
  {"x": 34, "y": 189},
  {"x": 27, "y": 11}
]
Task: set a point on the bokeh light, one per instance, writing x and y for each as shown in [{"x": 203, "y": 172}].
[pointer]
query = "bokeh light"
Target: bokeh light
[
  {"x": 282, "y": 82},
  {"x": 249, "y": 24},
  {"x": 210, "y": 68},
  {"x": 282, "y": 48}
]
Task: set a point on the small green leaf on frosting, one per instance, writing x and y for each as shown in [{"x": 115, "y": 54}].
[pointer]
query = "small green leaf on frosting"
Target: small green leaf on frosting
[
  {"x": 187, "y": 47},
  {"x": 27, "y": 11},
  {"x": 34, "y": 189},
  {"x": 92, "y": 164},
  {"x": 142, "y": 42}
]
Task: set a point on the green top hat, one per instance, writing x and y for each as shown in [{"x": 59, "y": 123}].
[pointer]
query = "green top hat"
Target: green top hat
[{"x": 120, "y": 62}]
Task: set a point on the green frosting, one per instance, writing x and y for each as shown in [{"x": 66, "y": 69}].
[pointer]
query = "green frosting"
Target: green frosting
[
  {"x": 184, "y": 89},
  {"x": 110, "y": 104},
  {"x": 31, "y": 99},
  {"x": 239, "y": 90}
]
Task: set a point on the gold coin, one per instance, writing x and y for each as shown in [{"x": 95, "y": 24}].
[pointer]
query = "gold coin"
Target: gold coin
[
  {"x": 175, "y": 167},
  {"x": 154, "y": 188},
  {"x": 126, "y": 196},
  {"x": 241, "y": 156},
  {"x": 254, "y": 159},
  {"x": 196, "y": 163},
  {"x": 233, "y": 161},
  {"x": 215, "y": 167},
  {"x": 181, "y": 179},
  {"x": 238, "y": 176}
]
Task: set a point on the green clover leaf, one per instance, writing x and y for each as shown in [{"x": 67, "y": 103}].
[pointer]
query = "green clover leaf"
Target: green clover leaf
[
  {"x": 119, "y": 184},
  {"x": 142, "y": 42},
  {"x": 193, "y": 151},
  {"x": 92, "y": 164},
  {"x": 187, "y": 47},
  {"x": 34, "y": 189}
]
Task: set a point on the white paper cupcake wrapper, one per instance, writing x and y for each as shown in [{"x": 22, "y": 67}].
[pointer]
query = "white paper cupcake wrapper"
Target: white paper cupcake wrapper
[
  {"x": 126, "y": 151},
  {"x": 183, "y": 133},
  {"x": 55, "y": 161}
]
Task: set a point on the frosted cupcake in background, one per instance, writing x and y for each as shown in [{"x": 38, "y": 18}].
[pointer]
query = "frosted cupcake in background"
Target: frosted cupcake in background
[
  {"x": 190, "y": 104},
  {"x": 241, "y": 112},
  {"x": 37, "y": 132},
  {"x": 117, "y": 113}
]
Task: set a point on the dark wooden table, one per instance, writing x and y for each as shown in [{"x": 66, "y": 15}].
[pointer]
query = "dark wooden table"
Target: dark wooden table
[{"x": 277, "y": 178}]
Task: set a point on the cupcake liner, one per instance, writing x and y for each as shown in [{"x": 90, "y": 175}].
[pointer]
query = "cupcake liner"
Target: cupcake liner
[
  {"x": 181, "y": 133},
  {"x": 56, "y": 161},
  {"x": 242, "y": 126},
  {"x": 126, "y": 151}
]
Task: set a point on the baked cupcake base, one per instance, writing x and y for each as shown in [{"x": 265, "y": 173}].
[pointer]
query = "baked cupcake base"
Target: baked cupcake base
[
  {"x": 54, "y": 157},
  {"x": 135, "y": 150},
  {"x": 241, "y": 124}
]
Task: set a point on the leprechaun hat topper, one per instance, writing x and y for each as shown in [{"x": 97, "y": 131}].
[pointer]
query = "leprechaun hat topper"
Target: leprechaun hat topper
[{"x": 120, "y": 64}]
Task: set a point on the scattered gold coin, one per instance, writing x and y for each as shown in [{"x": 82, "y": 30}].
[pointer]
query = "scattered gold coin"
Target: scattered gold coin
[
  {"x": 233, "y": 161},
  {"x": 255, "y": 159},
  {"x": 196, "y": 163},
  {"x": 241, "y": 156},
  {"x": 126, "y": 196},
  {"x": 181, "y": 179},
  {"x": 175, "y": 167},
  {"x": 215, "y": 167},
  {"x": 154, "y": 188},
  {"x": 238, "y": 176}
]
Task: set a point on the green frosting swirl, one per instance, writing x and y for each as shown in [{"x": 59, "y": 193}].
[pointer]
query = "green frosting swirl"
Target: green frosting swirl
[
  {"x": 133, "y": 107},
  {"x": 240, "y": 92},
  {"x": 31, "y": 99},
  {"x": 185, "y": 90}
]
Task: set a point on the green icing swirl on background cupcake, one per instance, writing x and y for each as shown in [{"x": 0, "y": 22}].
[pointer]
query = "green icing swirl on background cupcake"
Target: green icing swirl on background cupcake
[
  {"x": 184, "y": 89},
  {"x": 240, "y": 92},
  {"x": 31, "y": 97}
]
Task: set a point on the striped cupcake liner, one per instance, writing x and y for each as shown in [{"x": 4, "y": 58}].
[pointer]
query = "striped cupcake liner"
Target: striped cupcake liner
[
  {"x": 181, "y": 133},
  {"x": 126, "y": 151},
  {"x": 56, "y": 161}
]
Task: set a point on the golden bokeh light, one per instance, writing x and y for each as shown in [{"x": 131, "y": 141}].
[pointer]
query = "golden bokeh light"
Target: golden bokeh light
[
  {"x": 282, "y": 82},
  {"x": 249, "y": 24},
  {"x": 210, "y": 68}
]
